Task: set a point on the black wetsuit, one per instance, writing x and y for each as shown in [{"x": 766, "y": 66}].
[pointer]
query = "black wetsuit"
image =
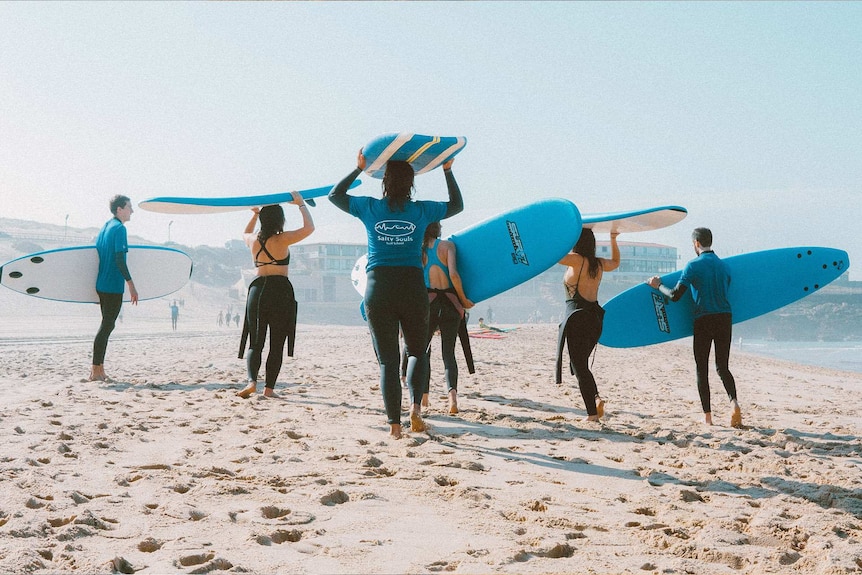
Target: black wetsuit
[
  {"x": 580, "y": 331},
  {"x": 271, "y": 305}
]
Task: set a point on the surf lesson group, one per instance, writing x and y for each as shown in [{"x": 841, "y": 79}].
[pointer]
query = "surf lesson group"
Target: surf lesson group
[{"x": 418, "y": 284}]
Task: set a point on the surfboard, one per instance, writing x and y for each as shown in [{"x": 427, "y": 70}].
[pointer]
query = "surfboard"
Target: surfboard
[
  {"x": 357, "y": 275},
  {"x": 634, "y": 220},
  {"x": 188, "y": 205},
  {"x": 506, "y": 250},
  {"x": 761, "y": 282},
  {"x": 424, "y": 153},
  {"x": 69, "y": 274}
]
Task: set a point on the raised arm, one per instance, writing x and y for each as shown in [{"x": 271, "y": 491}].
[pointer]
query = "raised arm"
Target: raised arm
[
  {"x": 248, "y": 233},
  {"x": 613, "y": 263},
  {"x": 294, "y": 236},
  {"x": 338, "y": 195},
  {"x": 456, "y": 202}
]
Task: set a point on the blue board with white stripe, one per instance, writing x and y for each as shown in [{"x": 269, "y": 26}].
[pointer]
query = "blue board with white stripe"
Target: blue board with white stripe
[
  {"x": 424, "y": 153},
  {"x": 191, "y": 205}
]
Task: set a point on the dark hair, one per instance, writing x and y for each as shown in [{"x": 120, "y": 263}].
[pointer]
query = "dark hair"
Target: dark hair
[
  {"x": 398, "y": 184},
  {"x": 586, "y": 247},
  {"x": 431, "y": 232},
  {"x": 271, "y": 222},
  {"x": 703, "y": 237},
  {"x": 118, "y": 202}
]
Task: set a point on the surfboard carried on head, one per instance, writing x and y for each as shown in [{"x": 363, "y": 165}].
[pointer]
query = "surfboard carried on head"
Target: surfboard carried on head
[
  {"x": 760, "y": 282},
  {"x": 190, "y": 205},
  {"x": 634, "y": 220},
  {"x": 422, "y": 152},
  {"x": 69, "y": 274}
]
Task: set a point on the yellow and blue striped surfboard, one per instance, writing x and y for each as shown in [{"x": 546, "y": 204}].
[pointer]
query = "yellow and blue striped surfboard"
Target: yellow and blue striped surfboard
[{"x": 424, "y": 153}]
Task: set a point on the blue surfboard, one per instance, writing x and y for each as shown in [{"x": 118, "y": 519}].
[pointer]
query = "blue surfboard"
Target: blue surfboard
[
  {"x": 506, "y": 250},
  {"x": 761, "y": 282},
  {"x": 69, "y": 274},
  {"x": 188, "y": 205},
  {"x": 424, "y": 153},
  {"x": 634, "y": 220}
]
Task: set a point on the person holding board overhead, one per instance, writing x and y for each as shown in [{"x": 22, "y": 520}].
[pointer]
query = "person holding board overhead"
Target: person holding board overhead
[
  {"x": 112, "y": 244},
  {"x": 709, "y": 279},
  {"x": 582, "y": 326},
  {"x": 395, "y": 293},
  {"x": 271, "y": 304}
]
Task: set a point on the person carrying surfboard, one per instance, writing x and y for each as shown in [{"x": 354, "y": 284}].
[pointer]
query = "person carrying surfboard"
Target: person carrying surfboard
[
  {"x": 708, "y": 277},
  {"x": 112, "y": 244},
  {"x": 395, "y": 292},
  {"x": 582, "y": 326},
  {"x": 271, "y": 305},
  {"x": 447, "y": 302}
]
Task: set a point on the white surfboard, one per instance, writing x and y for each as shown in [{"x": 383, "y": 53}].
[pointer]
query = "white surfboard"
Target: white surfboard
[
  {"x": 69, "y": 274},
  {"x": 632, "y": 221}
]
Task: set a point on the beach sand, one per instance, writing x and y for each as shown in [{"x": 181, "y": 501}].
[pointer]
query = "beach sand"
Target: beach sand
[{"x": 165, "y": 470}]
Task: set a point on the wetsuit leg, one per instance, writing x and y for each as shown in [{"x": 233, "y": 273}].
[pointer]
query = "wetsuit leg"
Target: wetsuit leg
[
  {"x": 450, "y": 321},
  {"x": 256, "y": 330},
  {"x": 582, "y": 335},
  {"x": 278, "y": 306},
  {"x": 433, "y": 323},
  {"x": 381, "y": 296},
  {"x": 702, "y": 342},
  {"x": 110, "y": 305},
  {"x": 723, "y": 336}
]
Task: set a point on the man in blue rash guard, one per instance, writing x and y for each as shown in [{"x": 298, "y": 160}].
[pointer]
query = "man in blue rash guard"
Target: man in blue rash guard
[
  {"x": 709, "y": 279},
  {"x": 112, "y": 245},
  {"x": 395, "y": 293}
]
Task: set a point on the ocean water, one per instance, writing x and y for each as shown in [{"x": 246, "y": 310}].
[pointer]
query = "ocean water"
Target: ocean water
[{"x": 846, "y": 355}]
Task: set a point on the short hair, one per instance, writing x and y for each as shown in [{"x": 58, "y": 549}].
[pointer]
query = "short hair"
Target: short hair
[
  {"x": 118, "y": 202},
  {"x": 703, "y": 236}
]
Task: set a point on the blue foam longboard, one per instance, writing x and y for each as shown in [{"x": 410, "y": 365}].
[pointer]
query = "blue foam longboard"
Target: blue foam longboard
[
  {"x": 69, "y": 274},
  {"x": 634, "y": 220},
  {"x": 761, "y": 282},
  {"x": 189, "y": 205},
  {"x": 424, "y": 153},
  {"x": 506, "y": 250}
]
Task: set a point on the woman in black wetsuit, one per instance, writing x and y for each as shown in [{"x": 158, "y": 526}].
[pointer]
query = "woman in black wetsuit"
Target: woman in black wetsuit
[
  {"x": 271, "y": 303},
  {"x": 582, "y": 326}
]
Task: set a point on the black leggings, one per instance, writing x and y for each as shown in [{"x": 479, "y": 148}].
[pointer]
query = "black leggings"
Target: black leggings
[
  {"x": 269, "y": 305},
  {"x": 397, "y": 296},
  {"x": 708, "y": 329},
  {"x": 443, "y": 315},
  {"x": 582, "y": 334},
  {"x": 110, "y": 304}
]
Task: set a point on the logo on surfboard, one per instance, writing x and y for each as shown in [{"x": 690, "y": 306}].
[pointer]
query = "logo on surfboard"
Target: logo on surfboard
[
  {"x": 660, "y": 313},
  {"x": 519, "y": 256}
]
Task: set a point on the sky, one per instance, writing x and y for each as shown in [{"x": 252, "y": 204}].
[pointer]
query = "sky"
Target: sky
[{"x": 746, "y": 114}]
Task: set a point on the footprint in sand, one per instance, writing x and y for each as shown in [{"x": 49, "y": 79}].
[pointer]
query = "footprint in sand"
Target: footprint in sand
[{"x": 336, "y": 497}]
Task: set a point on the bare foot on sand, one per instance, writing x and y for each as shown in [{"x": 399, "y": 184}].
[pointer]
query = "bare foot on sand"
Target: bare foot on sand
[
  {"x": 248, "y": 391},
  {"x": 269, "y": 392},
  {"x": 424, "y": 400},
  {"x": 395, "y": 430},
  {"x": 707, "y": 417},
  {"x": 600, "y": 407},
  {"x": 453, "y": 402},
  {"x": 736, "y": 417},
  {"x": 416, "y": 423}
]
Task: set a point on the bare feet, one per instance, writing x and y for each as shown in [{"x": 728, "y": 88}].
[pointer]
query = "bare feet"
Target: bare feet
[
  {"x": 248, "y": 391},
  {"x": 736, "y": 417},
  {"x": 600, "y": 407},
  {"x": 269, "y": 392},
  {"x": 97, "y": 373},
  {"x": 453, "y": 402},
  {"x": 592, "y": 418},
  {"x": 424, "y": 400},
  {"x": 395, "y": 430},
  {"x": 416, "y": 423},
  {"x": 707, "y": 417}
]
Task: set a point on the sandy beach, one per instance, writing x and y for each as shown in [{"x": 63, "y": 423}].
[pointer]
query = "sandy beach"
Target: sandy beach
[{"x": 165, "y": 470}]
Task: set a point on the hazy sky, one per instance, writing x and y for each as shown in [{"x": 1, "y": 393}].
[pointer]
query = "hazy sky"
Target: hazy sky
[{"x": 747, "y": 114}]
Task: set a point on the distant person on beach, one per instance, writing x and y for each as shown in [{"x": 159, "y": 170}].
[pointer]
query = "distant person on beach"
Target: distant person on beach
[
  {"x": 395, "y": 293},
  {"x": 236, "y": 319},
  {"x": 220, "y": 319},
  {"x": 582, "y": 326},
  {"x": 271, "y": 304},
  {"x": 112, "y": 244},
  {"x": 175, "y": 314},
  {"x": 483, "y": 325},
  {"x": 447, "y": 303},
  {"x": 709, "y": 279}
]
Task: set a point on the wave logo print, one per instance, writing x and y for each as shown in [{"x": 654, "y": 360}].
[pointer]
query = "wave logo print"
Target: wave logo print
[
  {"x": 519, "y": 256},
  {"x": 394, "y": 228},
  {"x": 660, "y": 313}
]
